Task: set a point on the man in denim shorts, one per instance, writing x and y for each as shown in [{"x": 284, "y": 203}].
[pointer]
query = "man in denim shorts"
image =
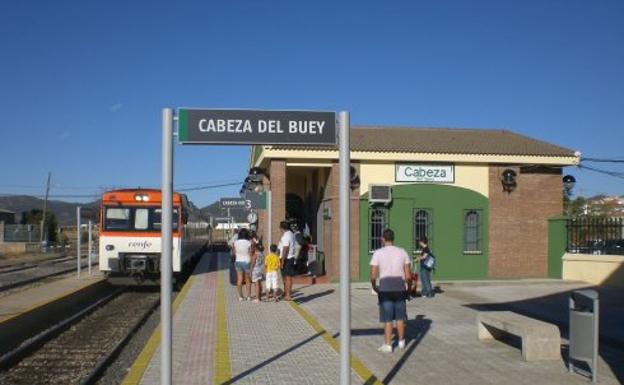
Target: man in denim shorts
[{"x": 392, "y": 265}]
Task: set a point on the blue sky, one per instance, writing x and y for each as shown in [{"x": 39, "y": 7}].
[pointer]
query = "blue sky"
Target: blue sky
[{"x": 82, "y": 82}]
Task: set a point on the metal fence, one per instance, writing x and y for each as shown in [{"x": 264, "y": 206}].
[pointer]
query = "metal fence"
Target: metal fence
[
  {"x": 596, "y": 236},
  {"x": 22, "y": 233}
]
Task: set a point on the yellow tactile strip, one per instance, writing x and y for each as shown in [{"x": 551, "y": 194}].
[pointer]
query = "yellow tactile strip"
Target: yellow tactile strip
[
  {"x": 356, "y": 365},
  {"x": 137, "y": 369},
  {"x": 222, "y": 366}
]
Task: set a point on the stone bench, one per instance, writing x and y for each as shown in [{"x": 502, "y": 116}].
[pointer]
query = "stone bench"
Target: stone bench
[{"x": 540, "y": 340}]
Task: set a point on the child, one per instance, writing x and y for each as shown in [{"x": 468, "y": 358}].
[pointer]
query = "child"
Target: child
[
  {"x": 271, "y": 268},
  {"x": 258, "y": 268}
]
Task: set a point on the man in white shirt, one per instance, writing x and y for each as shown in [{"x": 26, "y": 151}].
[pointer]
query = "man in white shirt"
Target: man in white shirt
[
  {"x": 392, "y": 265},
  {"x": 286, "y": 248}
]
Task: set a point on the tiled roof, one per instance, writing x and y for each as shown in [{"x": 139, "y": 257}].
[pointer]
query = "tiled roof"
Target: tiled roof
[{"x": 445, "y": 140}]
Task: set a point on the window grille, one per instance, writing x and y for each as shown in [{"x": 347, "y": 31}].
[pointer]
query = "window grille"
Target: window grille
[
  {"x": 472, "y": 232},
  {"x": 423, "y": 225},
  {"x": 377, "y": 223}
]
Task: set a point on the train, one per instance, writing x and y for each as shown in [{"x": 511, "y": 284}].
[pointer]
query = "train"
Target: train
[{"x": 130, "y": 236}]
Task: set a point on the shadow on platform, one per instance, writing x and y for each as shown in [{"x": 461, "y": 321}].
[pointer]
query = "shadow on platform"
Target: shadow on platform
[
  {"x": 272, "y": 359},
  {"x": 415, "y": 330}
]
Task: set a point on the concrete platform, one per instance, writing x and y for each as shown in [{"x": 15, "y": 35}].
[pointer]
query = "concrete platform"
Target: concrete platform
[
  {"x": 21, "y": 312},
  {"x": 219, "y": 340}
]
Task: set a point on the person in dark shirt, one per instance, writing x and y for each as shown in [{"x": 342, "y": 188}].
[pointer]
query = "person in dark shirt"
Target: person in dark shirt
[{"x": 425, "y": 272}]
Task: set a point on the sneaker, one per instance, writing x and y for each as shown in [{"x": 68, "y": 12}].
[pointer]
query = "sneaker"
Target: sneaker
[
  {"x": 256, "y": 300},
  {"x": 402, "y": 344},
  {"x": 240, "y": 299},
  {"x": 385, "y": 348},
  {"x": 248, "y": 298}
]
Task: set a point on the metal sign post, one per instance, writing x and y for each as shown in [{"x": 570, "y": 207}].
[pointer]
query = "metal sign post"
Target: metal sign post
[
  {"x": 166, "y": 271},
  {"x": 229, "y": 231},
  {"x": 78, "y": 240},
  {"x": 345, "y": 254},
  {"x": 90, "y": 245}
]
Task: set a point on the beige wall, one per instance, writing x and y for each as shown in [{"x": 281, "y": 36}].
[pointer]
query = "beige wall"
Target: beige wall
[
  {"x": 606, "y": 270},
  {"x": 17, "y": 247},
  {"x": 471, "y": 177}
]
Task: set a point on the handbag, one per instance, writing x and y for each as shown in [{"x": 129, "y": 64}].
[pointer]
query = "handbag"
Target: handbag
[{"x": 429, "y": 262}]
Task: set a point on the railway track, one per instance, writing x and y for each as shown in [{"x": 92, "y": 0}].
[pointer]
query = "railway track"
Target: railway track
[
  {"x": 17, "y": 266},
  {"x": 16, "y": 276},
  {"x": 78, "y": 350}
]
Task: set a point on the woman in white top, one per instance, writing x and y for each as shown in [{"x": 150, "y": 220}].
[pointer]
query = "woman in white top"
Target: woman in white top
[{"x": 242, "y": 253}]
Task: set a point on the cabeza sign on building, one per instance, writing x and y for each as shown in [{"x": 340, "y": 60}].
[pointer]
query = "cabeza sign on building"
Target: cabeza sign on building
[
  {"x": 203, "y": 126},
  {"x": 425, "y": 173}
]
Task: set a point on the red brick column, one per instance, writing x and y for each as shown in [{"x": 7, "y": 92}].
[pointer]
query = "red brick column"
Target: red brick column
[
  {"x": 332, "y": 258},
  {"x": 518, "y": 221},
  {"x": 354, "y": 228},
  {"x": 277, "y": 171}
]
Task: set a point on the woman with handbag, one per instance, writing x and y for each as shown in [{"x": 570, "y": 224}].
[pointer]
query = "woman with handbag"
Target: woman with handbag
[{"x": 427, "y": 264}]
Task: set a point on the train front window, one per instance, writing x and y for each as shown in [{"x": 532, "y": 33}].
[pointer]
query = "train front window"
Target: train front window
[
  {"x": 136, "y": 219},
  {"x": 117, "y": 219},
  {"x": 141, "y": 219}
]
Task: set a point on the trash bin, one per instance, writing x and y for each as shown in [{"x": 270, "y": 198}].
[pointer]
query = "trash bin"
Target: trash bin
[{"x": 584, "y": 317}]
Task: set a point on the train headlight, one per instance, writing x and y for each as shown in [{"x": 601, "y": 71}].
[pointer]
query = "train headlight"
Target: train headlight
[
  {"x": 141, "y": 197},
  {"x": 110, "y": 247}
]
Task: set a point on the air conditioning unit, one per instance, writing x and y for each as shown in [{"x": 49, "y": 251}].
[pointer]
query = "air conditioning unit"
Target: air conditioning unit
[{"x": 380, "y": 193}]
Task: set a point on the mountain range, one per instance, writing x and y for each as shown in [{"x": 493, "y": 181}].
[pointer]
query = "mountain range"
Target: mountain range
[{"x": 65, "y": 212}]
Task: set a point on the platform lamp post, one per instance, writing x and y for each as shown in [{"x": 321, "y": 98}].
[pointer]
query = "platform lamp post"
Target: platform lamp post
[{"x": 89, "y": 253}]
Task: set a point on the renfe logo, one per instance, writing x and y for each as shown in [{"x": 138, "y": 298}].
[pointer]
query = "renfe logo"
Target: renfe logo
[
  {"x": 140, "y": 244},
  {"x": 427, "y": 173}
]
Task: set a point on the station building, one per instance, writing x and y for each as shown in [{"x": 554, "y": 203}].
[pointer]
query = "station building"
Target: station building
[{"x": 482, "y": 197}]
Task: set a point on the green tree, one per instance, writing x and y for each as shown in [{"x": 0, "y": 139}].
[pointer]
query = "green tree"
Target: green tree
[
  {"x": 575, "y": 207},
  {"x": 34, "y": 216}
]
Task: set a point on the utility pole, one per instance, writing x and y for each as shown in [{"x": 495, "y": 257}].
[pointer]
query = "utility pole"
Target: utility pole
[{"x": 45, "y": 209}]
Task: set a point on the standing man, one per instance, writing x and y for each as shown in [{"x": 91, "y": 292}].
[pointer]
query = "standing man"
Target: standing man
[
  {"x": 392, "y": 265},
  {"x": 286, "y": 248}
]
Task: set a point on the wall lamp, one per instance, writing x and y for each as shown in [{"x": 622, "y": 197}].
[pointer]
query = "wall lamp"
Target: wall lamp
[
  {"x": 354, "y": 178},
  {"x": 509, "y": 180},
  {"x": 253, "y": 181},
  {"x": 569, "y": 182}
]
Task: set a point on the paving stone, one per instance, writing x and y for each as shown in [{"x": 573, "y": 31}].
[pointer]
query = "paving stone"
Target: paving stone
[
  {"x": 193, "y": 334},
  {"x": 442, "y": 343},
  {"x": 271, "y": 343}
]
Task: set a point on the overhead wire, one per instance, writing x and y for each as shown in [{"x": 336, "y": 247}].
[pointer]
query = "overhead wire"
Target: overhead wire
[
  {"x": 603, "y": 160},
  {"x": 615, "y": 174}
]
